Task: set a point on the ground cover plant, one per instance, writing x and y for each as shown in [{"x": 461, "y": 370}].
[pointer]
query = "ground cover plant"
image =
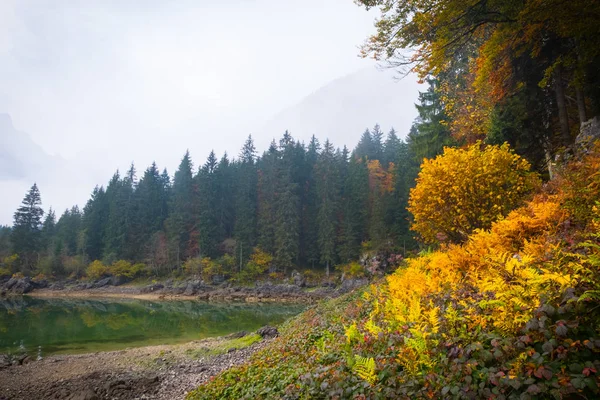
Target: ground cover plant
[{"x": 509, "y": 313}]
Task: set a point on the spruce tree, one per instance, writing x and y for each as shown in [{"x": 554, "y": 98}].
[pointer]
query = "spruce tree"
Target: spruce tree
[
  {"x": 94, "y": 222},
  {"x": 390, "y": 148},
  {"x": 430, "y": 133},
  {"x": 365, "y": 147},
  {"x": 246, "y": 201},
  {"x": 182, "y": 222},
  {"x": 377, "y": 140},
  {"x": 209, "y": 229},
  {"x": 26, "y": 232},
  {"x": 287, "y": 206},
  {"x": 310, "y": 230},
  {"x": 267, "y": 181},
  {"x": 355, "y": 206},
  {"x": 327, "y": 203}
]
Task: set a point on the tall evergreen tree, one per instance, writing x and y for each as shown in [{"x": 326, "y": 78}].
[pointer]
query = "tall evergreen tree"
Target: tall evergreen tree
[
  {"x": 287, "y": 206},
  {"x": 390, "y": 148},
  {"x": 181, "y": 224},
  {"x": 355, "y": 206},
  {"x": 377, "y": 140},
  {"x": 95, "y": 215},
  {"x": 26, "y": 232},
  {"x": 267, "y": 188},
  {"x": 430, "y": 133},
  {"x": 365, "y": 147},
  {"x": 327, "y": 203},
  {"x": 149, "y": 210},
  {"x": 310, "y": 210},
  {"x": 246, "y": 201},
  {"x": 209, "y": 229}
]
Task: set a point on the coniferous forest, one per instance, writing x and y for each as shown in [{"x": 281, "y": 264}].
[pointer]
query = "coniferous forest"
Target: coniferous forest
[{"x": 301, "y": 205}]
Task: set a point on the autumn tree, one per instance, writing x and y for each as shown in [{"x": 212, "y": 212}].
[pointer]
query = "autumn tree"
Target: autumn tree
[{"x": 467, "y": 189}]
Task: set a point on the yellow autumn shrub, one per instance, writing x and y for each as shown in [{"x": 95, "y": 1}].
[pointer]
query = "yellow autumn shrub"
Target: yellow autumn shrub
[
  {"x": 467, "y": 189},
  {"x": 97, "y": 270}
]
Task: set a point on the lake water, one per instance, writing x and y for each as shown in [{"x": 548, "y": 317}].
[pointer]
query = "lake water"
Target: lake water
[{"x": 58, "y": 325}]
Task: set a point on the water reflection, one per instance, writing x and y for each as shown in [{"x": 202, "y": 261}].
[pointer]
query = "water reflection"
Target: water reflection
[{"x": 61, "y": 325}]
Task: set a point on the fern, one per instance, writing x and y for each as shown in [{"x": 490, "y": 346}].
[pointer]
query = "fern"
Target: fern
[
  {"x": 364, "y": 367},
  {"x": 593, "y": 295}
]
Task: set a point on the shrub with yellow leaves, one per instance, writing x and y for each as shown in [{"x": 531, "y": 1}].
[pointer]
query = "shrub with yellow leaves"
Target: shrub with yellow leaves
[{"x": 467, "y": 189}]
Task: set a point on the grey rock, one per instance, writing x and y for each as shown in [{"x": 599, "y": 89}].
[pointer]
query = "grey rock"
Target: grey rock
[
  {"x": 102, "y": 282},
  {"x": 298, "y": 279},
  {"x": 268, "y": 332},
  {"x": 118, "y": 280},
  {"x": 5, "y": 361}
]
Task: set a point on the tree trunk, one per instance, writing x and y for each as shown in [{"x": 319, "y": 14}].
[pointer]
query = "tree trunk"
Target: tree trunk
[
  {"x": 581, "y": 105},
  {"x": 561, "y": 103}
]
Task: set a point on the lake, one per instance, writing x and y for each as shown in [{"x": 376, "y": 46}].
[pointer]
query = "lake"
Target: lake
[{"x": 67, "y": 326}]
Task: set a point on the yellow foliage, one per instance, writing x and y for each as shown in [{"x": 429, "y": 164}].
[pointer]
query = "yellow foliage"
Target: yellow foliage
[
  {"x": 467, "y": 189},
  {"x": 364, "y": 367},
  {"x": 515, "y": 263},
  {"x": 96, "y": 270}
]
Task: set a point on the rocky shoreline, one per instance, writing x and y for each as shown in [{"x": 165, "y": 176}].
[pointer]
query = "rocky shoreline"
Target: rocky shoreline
[
  {"x": 297, "y": 292},
  {"x": 154, "y": 372}
]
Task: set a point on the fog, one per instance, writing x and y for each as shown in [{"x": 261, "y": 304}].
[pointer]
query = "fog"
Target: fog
[{"x": 91, "y": 86}]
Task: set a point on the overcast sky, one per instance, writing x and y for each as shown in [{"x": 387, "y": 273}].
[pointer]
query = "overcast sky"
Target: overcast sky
[{"x": 102, "y": 83}]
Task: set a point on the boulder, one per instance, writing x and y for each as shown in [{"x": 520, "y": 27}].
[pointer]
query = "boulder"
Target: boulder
[
  {"x": 22, "y": 286},
  {"x": 268, "y": 332},
  {"x": 57, "y": 286},
  {"x": 298, "y": 279},
  {"x": 5, "y": 361},
  {"x": 41, "y": 284},
  {"x": 102, "y": 282},
  {"x": 152, "y": 288},
  {"x": 351, "y": 284},
  {"x": 118, "y": 280},
  {"x": 11, "y": 282}
]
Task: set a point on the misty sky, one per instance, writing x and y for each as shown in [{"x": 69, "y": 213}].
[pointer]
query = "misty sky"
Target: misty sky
[{"x": 99, "y": 84}]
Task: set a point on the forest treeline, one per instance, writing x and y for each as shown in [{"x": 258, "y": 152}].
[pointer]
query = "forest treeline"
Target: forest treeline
[{"x": 299, "y": 205}]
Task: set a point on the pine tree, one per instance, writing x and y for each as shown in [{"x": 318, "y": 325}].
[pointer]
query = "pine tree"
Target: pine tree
[
  {"x": 181, "y": 224},
  {"x": 246, "y": 202},
  {"x": 327, "y": 203},
  {"x": 48, "y": 231},
  {"x": 267, "y": 181},
  {"x": 118, "y": 193},
  {"x": 209, "y": 228},
  {"x": 365, "y": 147},
  {"x": 430, "y": 133},
  {"x": 68, "y": 230},
  {"x": 391, "y": 148},
  {"x": 26, "y": 232},
  {"x": 95, "y": 215},
  {"x": 377, "y": 140},
  {"x": 287, "y": 206},
  {"x": 310, "y": 211},
  {"x": 355, "y": 206},
  {"x": 150, "y": 206}
]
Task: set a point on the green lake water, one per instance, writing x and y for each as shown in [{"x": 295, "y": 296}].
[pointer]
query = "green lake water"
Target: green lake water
[{"x": 66, "y": 326}]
